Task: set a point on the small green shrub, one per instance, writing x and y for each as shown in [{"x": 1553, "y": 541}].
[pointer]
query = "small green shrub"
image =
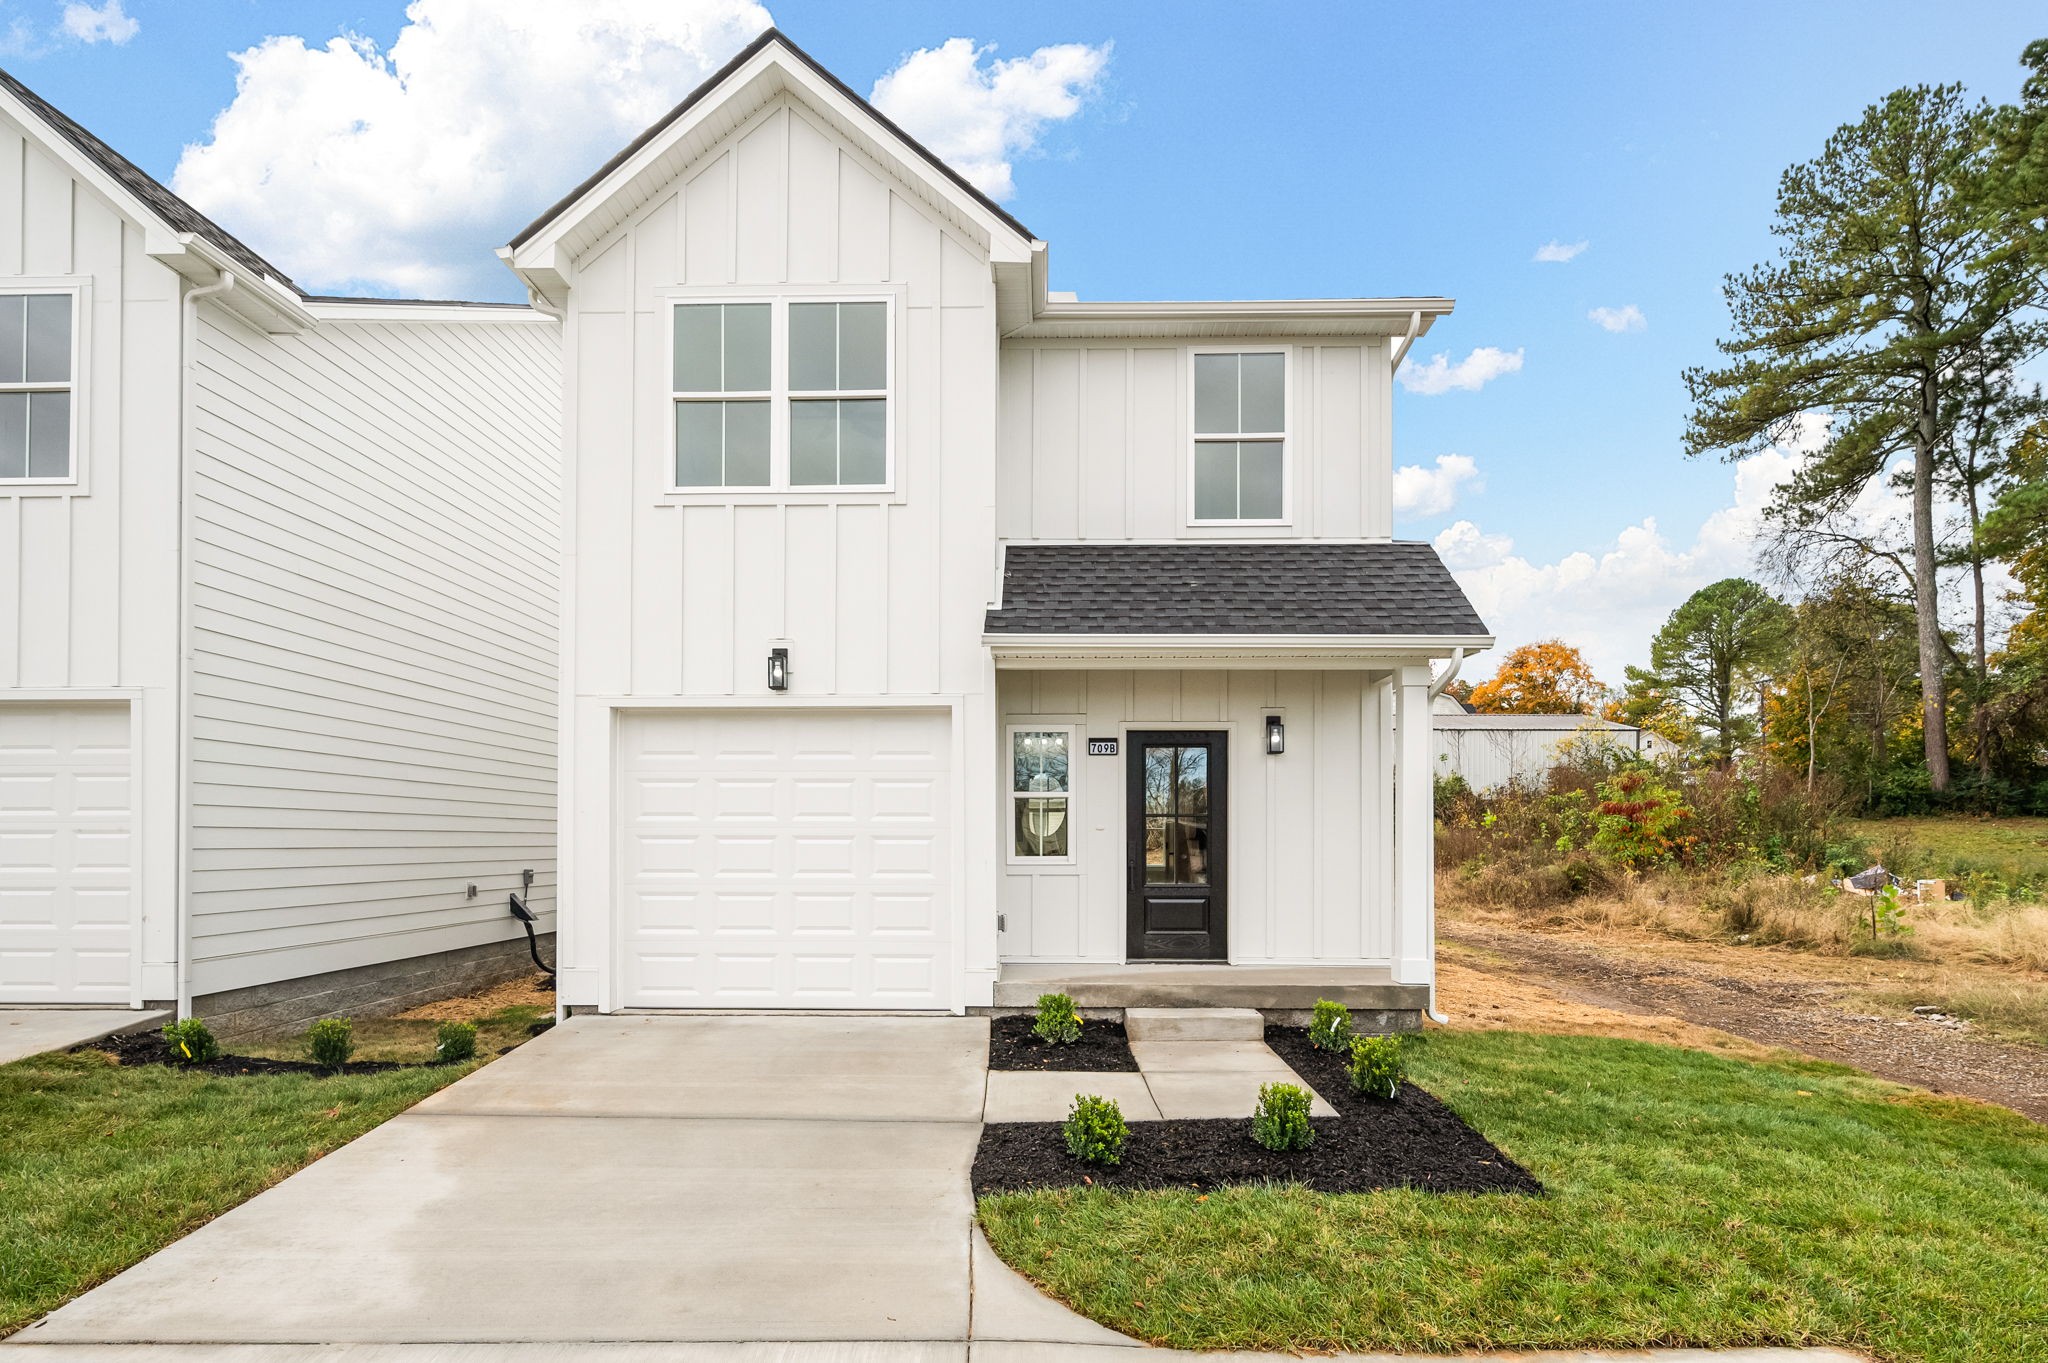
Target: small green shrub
[
  {"x": 191, "y": 1041},
  {"x": 1280, "y": 1121},
  {"x": 455, "y": 1041},
  {"x": 1377, "y": 1067},
  {"x": 1095, "y": 1130},
  {"x": 332, "y": 1041},
  {"x": 1330, "y": 1028},
  {"x": 1058, "y": 1023}
]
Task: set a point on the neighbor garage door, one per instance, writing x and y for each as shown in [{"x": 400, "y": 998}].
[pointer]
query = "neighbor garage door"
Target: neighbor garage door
[
  {"x": 785, "y": 859},
  {"x": 67, "y": 897}
]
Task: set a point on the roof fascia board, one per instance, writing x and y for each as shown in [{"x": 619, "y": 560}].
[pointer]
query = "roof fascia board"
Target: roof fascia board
[
  {"x": 406, "y": 310},
  {"x": 1292, "y": 316},
  {"x": 262, "y": 302},
  {"x": 1164, "y": 650},
  {"x": 773, "y": 61}
]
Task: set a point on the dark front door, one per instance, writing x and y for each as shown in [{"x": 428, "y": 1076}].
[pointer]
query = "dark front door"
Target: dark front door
[{"x": 1176, "y": 813}]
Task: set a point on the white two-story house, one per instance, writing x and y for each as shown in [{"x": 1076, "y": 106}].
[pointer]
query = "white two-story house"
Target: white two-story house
[{"x": 929, "y": 637}]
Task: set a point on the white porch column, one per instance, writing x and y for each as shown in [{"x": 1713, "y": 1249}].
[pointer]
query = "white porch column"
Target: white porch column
[{"x": 1414, "y": 831}]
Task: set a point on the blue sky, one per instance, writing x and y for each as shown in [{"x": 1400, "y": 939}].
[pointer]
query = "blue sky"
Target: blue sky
[{"x": 1246, "y": 151}]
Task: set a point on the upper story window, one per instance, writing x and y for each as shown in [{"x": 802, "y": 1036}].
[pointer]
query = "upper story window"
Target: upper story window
[
  {"x": 782, "y": 394},
  {"x": 1240, "y": 471},
  {"x": 36, "y": 387}
]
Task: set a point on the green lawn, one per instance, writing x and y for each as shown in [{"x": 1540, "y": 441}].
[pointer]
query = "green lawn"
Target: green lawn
[
  {"x": 102, "y": 1164},
  {"x": 1694, "y": 1200},
  {"x": 2013, "y": 849}
]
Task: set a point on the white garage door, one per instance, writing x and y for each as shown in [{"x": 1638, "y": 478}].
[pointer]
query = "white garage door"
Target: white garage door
[
  {"x": 788, "y": 859},
  {"x": 67, "y": 894}
]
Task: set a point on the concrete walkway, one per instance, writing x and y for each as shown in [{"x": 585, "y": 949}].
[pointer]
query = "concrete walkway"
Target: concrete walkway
[
  {"x": 31, "y": 1031},
  {"x": 625, "y": 1190}
]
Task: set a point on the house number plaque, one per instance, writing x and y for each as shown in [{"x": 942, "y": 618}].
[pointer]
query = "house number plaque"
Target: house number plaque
[{"x": 1102, "y": 747}]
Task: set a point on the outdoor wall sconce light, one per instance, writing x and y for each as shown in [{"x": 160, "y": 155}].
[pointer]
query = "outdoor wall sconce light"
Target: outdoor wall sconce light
[
  {"x": 1276, "y": 736},
  {"x": 778, "y": 669}
]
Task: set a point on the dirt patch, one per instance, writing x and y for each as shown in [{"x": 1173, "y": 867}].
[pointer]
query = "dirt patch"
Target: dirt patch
[
  {"x": 1103, "y": 1048},
  {"x": 150, "y": 1048},
  {"x": 528, "y": 991},
  {"x": 1769, "y": 999},
  {"x": 1414, "y": 1141}
]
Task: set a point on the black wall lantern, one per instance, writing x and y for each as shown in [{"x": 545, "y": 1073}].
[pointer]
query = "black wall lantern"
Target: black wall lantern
[
  {"x": 778, "y": 669},
  {"x": 1276, "y": 736}
]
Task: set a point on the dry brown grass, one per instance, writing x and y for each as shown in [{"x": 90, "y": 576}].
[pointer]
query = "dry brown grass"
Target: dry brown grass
[{"x": 1780, "y": 910}]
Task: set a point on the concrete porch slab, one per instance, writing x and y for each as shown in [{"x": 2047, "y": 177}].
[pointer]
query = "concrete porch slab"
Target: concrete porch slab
[
  {"x": 31, "y": 1031},
  {"x": 851, "y": 1068},
  {"x": 1048, "y": 1095},
  {"x": 1194, "y": 1024},
  {"x": 1162, "y": 985},
  {"x": 1209, "y": 1057}
]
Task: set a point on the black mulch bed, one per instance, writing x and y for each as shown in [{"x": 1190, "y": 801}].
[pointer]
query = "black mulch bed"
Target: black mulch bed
[
  {"x": 1412, "y": 1142},
  {"x": 1103, "y": 1046},
  {"x": 150, "y": 1048}
]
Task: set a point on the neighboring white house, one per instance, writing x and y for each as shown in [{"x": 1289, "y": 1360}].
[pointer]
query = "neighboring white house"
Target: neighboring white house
[
  {"x": 277, "y": 612},
  {"x": 925, "y": 631},
  {"x": 1491, "y": 751}
]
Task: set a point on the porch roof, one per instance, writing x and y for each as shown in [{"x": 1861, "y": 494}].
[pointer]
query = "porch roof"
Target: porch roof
[{"x": 1392, "y": 595}]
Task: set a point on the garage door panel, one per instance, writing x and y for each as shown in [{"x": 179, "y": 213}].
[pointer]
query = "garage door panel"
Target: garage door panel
[
  {"x": 820, "y": 877},
  {"x": 67, "y": 902}
]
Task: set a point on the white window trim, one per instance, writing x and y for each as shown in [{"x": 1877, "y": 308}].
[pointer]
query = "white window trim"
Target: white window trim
[
  {"x": 80, "y": 290},
  {"x": 779, "y": 488},
  {"x": 1012, "y": 794},
  {"x": 1285, "y": 437}
]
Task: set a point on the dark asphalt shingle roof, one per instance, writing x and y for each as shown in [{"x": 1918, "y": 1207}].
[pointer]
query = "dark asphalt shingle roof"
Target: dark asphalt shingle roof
[
  {"x": 1227, "y": 588},
  {"x": 166, "y": 205}
]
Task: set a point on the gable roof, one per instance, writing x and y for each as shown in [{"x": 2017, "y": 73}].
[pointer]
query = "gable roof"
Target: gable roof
[
  {"x": 1186, "y": 589},
  {"x": 770, "y": 37},
  {"x": 155, "y": 196}
]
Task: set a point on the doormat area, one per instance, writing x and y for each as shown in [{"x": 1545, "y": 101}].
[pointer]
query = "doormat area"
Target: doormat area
[
  {"x": 1414, "y": 1141},
  {"x": 1103, "y": 1047}
]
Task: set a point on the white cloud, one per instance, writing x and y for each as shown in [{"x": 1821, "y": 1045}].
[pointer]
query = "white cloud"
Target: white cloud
[
  {"x": 107, "y": 23},
  {"x": 400, "y": 168},
  {"x": 1609, "y": 601},
  {"x": 1421, "y": 490},
  {"x": 1628, "y": 317},
  {"x": 980, "y": 114},
  {"x": 1560, "y": 253},
  {"x": 1439, "y": 375}
]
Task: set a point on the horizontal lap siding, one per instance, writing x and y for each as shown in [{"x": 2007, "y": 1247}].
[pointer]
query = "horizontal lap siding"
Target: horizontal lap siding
[
  {"x": 1310, "y": 868},
  {"x": 373, "y": 702}
]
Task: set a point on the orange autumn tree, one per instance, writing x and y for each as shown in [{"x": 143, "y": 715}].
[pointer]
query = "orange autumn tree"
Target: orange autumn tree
[{"x": 1548, "y": 677}]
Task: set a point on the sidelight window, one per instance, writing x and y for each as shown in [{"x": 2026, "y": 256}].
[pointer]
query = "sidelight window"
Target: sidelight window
[{"x": 1041, "y": 794}]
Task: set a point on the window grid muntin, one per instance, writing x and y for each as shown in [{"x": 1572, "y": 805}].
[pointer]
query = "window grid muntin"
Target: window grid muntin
[
  {"x": 1237, "y": 438},
  {"x": 36, "y": 391}
]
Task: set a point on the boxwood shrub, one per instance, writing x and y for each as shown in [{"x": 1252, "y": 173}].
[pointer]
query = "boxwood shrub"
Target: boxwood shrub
[{"x": 1095, "y": 1130}]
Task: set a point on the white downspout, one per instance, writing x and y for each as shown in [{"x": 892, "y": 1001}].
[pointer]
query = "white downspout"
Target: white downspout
[
  {"x": 188, "y": 326},
  {"x": 1408, "y": 341},
  {"x": 1436, "y": 688}
]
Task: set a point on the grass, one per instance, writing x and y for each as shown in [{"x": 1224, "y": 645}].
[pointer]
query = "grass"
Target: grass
[
  {"x": 2002, "y": 1010},
  {"x": 2018, "y": 847},
  {"x": 102, "y": 1165},
  {"x": 1694, "y": 1200}
]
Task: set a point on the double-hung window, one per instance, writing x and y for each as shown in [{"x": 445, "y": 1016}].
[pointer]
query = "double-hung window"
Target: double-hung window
[
  {"x": 785, "y": 394},
  {"x": 1041, "y": 795},
  {"x": 36, "y": 387},
  {"x": 1240, "y": 471}
]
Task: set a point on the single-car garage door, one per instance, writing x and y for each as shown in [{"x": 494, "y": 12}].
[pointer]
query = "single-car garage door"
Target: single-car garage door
[
  {"x": 785, "y": 859},
  {"x": 67, "y": 898}
]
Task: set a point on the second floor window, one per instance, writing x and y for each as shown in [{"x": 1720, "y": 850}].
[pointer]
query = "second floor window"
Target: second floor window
[
  {"x": 1240, "y": 470},
  {"x": 786, "y": 394},
  {"x": 35, "y": 387}
]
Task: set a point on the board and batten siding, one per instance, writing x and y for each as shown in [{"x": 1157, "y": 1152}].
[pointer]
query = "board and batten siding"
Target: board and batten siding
[
  {"x": 680, "y": 597},
  {"x": 89, "y": 573},
  {"x": 1311, "y": 850},
  {"x": 374, "y": 566},
  {"x": 1097, "y": 441}
]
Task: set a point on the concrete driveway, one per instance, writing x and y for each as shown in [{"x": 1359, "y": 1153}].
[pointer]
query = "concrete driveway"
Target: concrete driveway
[
  {"x": 31, "y": 1031},
  {"x": 624, "y": 1190}
]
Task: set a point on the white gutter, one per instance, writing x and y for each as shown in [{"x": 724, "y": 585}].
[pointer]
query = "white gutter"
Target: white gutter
[
  {"x": 188, "y": 325},
  {"x": 539, "y": 303}
]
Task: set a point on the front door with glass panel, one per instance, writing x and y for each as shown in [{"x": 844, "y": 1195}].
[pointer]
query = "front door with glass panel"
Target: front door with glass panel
[{"x": 1177, "y": 809}]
